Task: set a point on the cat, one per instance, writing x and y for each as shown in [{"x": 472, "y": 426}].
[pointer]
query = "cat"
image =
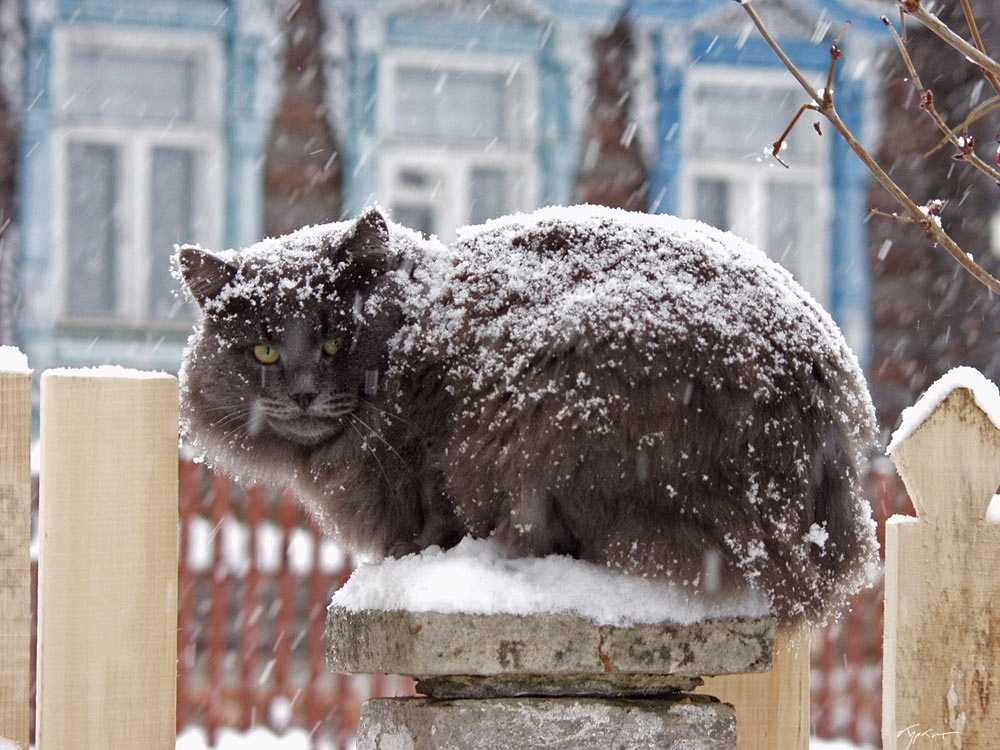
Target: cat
[{"x": 643, "y": 392}]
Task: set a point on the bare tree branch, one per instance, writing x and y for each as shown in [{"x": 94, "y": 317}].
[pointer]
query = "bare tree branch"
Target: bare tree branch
[
  {"x": 970, "y": 20},
  {"x": 979, "y": 112},
  {"x": 919, "y": 216},
  {"x": 940, "y": 29},
  {"x": 965, "y": 144}
]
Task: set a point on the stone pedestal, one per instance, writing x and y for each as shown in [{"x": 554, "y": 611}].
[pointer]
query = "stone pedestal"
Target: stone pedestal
[
  {"x": 552, "y": 681},
  {"x": 684, "y": 721}
]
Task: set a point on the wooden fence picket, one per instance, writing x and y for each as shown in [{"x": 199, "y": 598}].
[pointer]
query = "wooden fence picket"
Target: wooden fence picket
[
  {"x": 107, "y": 591},
  {"x": 772, "y": 708},
  {"x": 15, "y": 563},
  {"x": 941, "y": 685}
]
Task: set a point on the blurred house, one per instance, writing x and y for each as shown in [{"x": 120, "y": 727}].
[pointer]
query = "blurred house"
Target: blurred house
[{"x": 143, "y": 124}]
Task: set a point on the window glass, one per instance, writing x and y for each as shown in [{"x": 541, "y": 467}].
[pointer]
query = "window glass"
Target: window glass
[
  {"x": 487, "y": 194},
  {"x": 739, "y": 121},
  {"x": 456, "y": 105},
  {"x": 712, "y": 202},
  {"x": 790, "y": 225},
  {"x": 415, "y": 216},
  {"x": 171, "y": 221},
  {"x": 122, "y": 85},
  {"x": 91, "y": 228}
]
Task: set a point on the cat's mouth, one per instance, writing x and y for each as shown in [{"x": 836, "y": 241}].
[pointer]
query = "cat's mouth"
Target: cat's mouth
[{"x": 307, "y": 430}]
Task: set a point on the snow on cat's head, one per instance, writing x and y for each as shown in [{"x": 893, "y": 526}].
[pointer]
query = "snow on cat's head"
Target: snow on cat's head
[{"x": 286, "y": 348}]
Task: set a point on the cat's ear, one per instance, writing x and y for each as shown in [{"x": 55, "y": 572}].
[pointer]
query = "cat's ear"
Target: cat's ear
[
  {"x": 366, "y": 247},
  {"x": 369, "y": 235},
  {"x": 203, "y": 273}
]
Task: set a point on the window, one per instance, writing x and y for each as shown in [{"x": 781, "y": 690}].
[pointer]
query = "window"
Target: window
[
  {"x": 111, "y": 84},
  {"x": 92, "y": 234},
  {"x": 730, "y": 181},
  {"x": 450, "y": 106},
  {"x": 457, "y": 144},
  {"x": 138, "y": 167}
]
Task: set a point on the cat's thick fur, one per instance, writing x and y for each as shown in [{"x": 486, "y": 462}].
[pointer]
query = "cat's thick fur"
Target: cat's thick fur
[{"x": 641, "y": 392}]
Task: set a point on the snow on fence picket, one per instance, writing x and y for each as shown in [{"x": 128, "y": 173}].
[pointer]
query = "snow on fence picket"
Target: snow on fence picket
[{"x": 942, "y": 644}]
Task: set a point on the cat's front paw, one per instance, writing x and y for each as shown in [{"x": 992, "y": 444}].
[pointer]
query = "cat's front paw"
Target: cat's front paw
[{"x": 402, "y": 549}]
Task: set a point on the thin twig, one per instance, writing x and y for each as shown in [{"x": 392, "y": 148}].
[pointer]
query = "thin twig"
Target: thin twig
[
  {"x": 970, "y": 20},
  {"x": 901, "y": 218},
  {"x": 835, "y": 55},
  {"x": 941, "y": 30},
  {"x": 965, "y": 144},
  {"x": 779, "y": 144},
  {"x": 931, "y": 228},
  {"x": 979, "y": 112}
]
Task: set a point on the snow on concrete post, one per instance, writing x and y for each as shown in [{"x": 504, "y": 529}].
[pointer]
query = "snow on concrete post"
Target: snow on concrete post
[
  {"x": 941, "y": 685},
  {"x": 107, "y": 579},
  {"x": 15, "y": 538},
  {"x": 552, "y": 652}
]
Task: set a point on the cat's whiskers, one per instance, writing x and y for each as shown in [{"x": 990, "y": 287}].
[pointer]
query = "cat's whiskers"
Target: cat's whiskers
[
  {"x": 221, "y": 407},
  {"x": 364, "y": 445},
  {"x": 234, "y": 432},
  {"x": 377, "y": 434},
  {"x": 390, "y": 415},
  {"x": 234, "y": 413}
]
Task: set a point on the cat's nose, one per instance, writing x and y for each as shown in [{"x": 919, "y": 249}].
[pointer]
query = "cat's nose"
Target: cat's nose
[{"x": 303, "y": 399}]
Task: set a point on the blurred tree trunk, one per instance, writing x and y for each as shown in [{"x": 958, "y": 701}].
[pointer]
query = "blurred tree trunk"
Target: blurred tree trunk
[
  {"x": 612, "y": 172},
  {"x": 302, "y": 176},
  {"x": 928, "y": 315},
  {"x": 8, "y": 192}
]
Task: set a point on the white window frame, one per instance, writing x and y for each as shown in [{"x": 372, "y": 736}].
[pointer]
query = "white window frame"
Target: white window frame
[
  {"x": 135, "y": 142},
  {"x": 748, "y": 178},
  {"x": 449, "y": 165}
]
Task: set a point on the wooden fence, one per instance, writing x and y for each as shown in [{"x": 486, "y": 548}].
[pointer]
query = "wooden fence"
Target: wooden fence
[{"x": 255, "y": 578}]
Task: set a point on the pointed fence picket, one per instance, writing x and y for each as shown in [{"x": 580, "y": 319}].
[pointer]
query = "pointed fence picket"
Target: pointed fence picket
[{"x": 942, "y": 632}]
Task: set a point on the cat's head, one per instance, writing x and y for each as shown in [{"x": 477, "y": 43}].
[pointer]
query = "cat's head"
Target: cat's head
[{"x": 288, "y": 343}]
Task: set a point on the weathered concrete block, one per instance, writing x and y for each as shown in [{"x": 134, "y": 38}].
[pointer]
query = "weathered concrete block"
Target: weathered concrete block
[
  {"x": 681, "y": 723},
  {"x": 544, "y": 654}
]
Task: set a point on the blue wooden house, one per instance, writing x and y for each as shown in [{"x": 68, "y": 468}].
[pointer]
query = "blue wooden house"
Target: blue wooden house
[{"x": 144, "y": 123}]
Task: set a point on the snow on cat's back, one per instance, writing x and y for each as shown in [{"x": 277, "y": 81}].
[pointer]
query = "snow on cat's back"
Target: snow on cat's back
[{"x": 645, "y": 391}]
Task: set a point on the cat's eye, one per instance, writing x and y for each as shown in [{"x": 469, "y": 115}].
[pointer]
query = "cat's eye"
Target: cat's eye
[
  {"x": 332, "y": 346},
  {"x": 265, "y": 354}
]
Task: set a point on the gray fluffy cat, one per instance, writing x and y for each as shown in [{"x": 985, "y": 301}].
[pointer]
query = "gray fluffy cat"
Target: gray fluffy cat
[{"x": 642, "y": 392}]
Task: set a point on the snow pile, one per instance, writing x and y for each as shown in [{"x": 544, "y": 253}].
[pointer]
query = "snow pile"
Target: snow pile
[
  {"x": 107, "y": 371},
  {"x": 985, "y": 393},
  {"x": 194, "y": 738},
  {"x": 475, "y": 578},
  {"x": 13, "y": 360},
  {"x": 818, "y": 744}
]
